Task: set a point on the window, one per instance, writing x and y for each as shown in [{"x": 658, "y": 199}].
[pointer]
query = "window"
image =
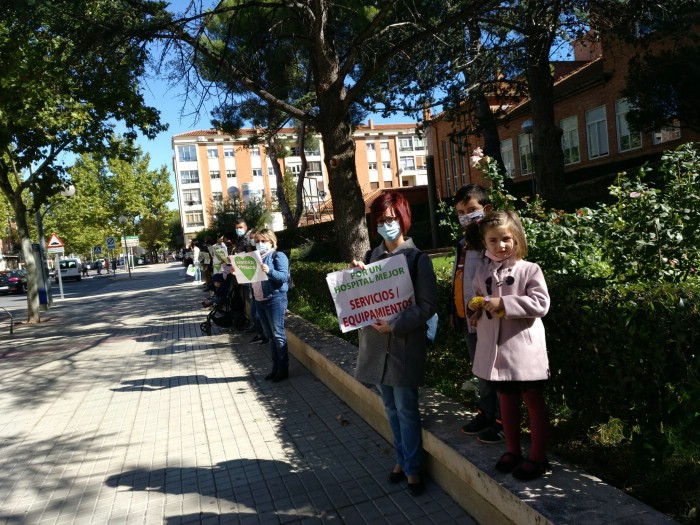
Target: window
[
  {"x": 372, "y": 166},
  {"x": 384, "y": 144},
  {"x": 455, "y": 171},
  {"x": 371, "y": 146},
  {"x": 406, "y": 144},
  {"x": 217, "y": 196},
  {"x": 271, "y": 171},
  {"x": 418, "y": 143},
  {"x": 507, "y": 155},
  {"x": 313, "y": 169},
  {"x": 525, "y": 154},
  {"x": 255, "y": 151},
  {"x": 212, "y": 153},
  {"x": 228, "y": 151},
  {"x": 386, "y": 165},
  {"x": 407, "y": 163},
  {"x": 626, "y": 138},
  {"x": 667, "y": 133},
  {"x": 187, "y": 153},
  {"x": 597, "y": 132},
  {"x": 189, "y": 176},
  {"x": 191, "y": 197},
  {"x": 195, "y": 218},
  {"x": 230, "y": 174},
  {"x": 294, "y": 168},
  {"x": 215, "y": 174},
  {"x": 446, "y": 161},
  {"x": 569, "y": 140},
  {"x": 257, "y": 172}
]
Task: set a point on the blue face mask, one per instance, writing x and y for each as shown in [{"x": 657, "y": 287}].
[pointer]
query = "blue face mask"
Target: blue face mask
[
  {"x": 389, "y": 231},
  {"x": 240, "y": 232},
  {"x": 263, "y": 247}
]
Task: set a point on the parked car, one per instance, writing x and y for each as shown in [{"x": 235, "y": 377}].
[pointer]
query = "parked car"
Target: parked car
[
  {"x": 4, "y": 283},
  {"x": 70, "y": 269},
  {"x": 17, "y": 281}
]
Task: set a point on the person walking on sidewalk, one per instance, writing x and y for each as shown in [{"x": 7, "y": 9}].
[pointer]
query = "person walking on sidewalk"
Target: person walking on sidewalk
[
  {"x": 271, "y": 301},
  {"x": 393, "y": 353},
  {"x": 510, "y": 300},
  {"x": 471, "y": 203}
]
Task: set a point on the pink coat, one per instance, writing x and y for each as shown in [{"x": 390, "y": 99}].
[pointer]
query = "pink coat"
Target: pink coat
[{"x": 512, "y": 348}]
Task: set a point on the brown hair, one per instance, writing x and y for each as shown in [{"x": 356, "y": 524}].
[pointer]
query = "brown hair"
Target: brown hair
[{"x": 510, "y": 220}]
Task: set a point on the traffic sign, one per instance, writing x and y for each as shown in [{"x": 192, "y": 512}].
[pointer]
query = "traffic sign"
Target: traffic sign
[
  {"x": 132, "y": 241},
  {"x": 54, "y": 242},
  {"x": 97, "y": 250},
  {"x": 111, "y": 243},
  {"x": 55, "y": 249}
]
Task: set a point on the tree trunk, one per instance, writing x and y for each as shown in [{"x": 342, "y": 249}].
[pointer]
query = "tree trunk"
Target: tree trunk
[
  {"x": 339, "y": 157},
  {"x": 31, "y": 264},
  {"x": 547, "y": 155}
]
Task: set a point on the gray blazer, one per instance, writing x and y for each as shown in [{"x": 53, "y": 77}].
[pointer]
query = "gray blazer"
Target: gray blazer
[{"x": 398, "y": 358}]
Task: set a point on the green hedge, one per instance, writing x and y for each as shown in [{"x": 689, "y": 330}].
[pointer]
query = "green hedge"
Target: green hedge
[{"x": 629, "y": 352}]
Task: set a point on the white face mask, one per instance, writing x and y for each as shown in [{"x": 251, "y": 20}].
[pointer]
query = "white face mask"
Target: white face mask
[
  {"x": 466, "y": 219},
  {"x": 263, "y": 247}
]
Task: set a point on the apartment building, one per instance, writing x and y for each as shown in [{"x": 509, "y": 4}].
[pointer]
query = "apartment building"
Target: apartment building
[
  {"x": 211, "y": 167},
  {"x": 596, "y": 139}
]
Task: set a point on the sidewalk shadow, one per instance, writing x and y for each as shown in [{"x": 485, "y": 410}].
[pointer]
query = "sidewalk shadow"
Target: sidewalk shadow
[
  {"x": 161, "y": 383},
  {"x": 237, "y": 482}
]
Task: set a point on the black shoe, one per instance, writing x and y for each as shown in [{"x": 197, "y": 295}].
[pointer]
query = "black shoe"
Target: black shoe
[
  {"x": 508, "y": 462},
  {"x": 416, "y": 489},
  {"x": 256, "y": 339},
  {"x": 492, "y": 435},
  {"x": 271, "y": 375},
  {"x": 478, "y": 424},
  {"x": 281, "y": 375},
  {"x": 529, "y": 470},
  {"x": 396, "y": 477}
]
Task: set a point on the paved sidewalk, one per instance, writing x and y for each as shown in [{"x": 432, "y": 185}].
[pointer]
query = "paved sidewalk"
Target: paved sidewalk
[{"x": 120, "y": 410}]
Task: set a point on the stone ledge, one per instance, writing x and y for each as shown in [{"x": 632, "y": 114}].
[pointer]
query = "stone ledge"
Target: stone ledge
[{"x": 461, "y": 465}]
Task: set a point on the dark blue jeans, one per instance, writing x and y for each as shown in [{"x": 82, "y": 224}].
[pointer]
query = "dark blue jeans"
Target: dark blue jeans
[
  {"x": 271, "y": 313},
  {"x": 401, "y": 405}
]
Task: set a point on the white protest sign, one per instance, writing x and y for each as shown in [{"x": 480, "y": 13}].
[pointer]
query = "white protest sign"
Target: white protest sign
[
  {"x": 219, "y": 257},
  {"x": 247, "y": 267},
  {"x": 381, "y": 291}
]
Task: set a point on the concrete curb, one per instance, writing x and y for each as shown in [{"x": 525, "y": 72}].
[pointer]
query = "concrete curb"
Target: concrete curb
[{"x": 462, "y": 466}]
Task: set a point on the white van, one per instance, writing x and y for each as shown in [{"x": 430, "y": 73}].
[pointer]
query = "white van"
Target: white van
[{"x": 70, "y": 269}]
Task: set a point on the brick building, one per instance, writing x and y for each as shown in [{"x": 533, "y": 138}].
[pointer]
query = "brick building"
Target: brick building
[
  {"x": 596, "y": 139},
  {"x": 211, "y": 167}
]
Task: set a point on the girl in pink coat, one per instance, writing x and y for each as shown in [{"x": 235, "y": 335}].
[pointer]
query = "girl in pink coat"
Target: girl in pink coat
[{"x": 511, "y": 299}]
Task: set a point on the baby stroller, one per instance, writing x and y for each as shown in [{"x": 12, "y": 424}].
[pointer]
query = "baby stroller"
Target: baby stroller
[{"x": 229, "y": 312}]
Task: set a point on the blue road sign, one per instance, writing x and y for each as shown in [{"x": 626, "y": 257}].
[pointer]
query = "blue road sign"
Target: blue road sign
[{"x": 97, "y": 250}]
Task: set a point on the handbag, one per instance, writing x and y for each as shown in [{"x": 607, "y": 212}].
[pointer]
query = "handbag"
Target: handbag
[{"x": 191, "y": 270}]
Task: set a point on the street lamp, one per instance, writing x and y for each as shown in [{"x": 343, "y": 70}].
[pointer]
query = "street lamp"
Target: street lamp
[
  {"x": 45, "y": 297},
  {"x": 122, "y": 220}
]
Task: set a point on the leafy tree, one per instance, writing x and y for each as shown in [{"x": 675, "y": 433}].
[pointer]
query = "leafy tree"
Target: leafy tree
[
  {"x": 356, "y": 58},
  {"x": 106, "y": 189},
  {"x": 65, "y": 80}
]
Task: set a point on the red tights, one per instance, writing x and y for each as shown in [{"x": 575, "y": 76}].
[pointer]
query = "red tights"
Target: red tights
[{"x": 539, "y": 421}]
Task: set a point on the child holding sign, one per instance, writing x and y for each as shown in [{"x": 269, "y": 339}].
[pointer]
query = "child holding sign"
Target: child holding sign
[{"x": 393, "y": 353}]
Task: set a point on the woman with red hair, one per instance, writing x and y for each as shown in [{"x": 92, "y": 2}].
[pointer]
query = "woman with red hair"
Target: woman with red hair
[{"x": 393, "y": 353}]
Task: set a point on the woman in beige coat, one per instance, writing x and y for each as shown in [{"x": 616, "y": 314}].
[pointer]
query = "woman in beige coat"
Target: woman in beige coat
[{"x": 511, "y": 350}]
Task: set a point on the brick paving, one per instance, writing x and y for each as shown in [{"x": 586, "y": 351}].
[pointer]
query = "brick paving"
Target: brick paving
[{"x": 119, "y": 410}]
